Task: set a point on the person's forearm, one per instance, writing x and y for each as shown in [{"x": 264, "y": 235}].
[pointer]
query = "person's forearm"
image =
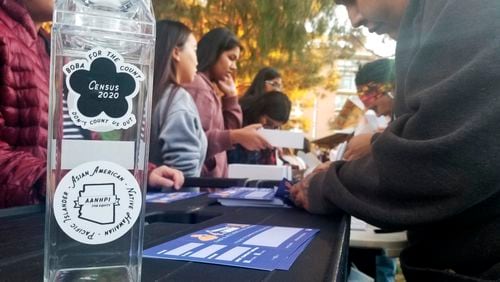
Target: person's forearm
[{"x": 231, "y": 111}]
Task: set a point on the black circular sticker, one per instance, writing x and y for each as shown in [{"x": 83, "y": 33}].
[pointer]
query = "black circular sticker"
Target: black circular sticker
[{"x": 101, "y": 89}]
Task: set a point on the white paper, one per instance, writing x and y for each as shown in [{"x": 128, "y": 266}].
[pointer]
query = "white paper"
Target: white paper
[
  {"x": 233, "y": 253},
  {"x": 182, "y": 249},
  {"x": 358, "y": 224},
  {"x": 340, "y": 151},
  {"x": 283, "y": 139},
  {"x": 259, "y": 172},
  {"x": 310, "y": 159},
  {"x": 208, "y": 251}
]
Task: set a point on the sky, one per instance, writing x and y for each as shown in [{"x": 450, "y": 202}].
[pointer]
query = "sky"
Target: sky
[{"x": 380, "y": 45}]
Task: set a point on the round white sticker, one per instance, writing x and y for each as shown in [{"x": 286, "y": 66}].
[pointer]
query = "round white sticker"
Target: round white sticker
[{"x": 97, "y": 202}]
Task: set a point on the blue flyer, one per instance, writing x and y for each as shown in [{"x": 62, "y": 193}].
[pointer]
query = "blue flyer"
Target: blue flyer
[
  {"x": 277, "y": 197},
  {"x": 170, "y": 197},
  {"x": 245, "y": 193},
  {"x": 241, "y": 245},
  {"x": 287, "y": 263}
]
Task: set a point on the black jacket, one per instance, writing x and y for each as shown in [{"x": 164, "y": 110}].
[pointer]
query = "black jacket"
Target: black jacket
[{"x": 435, "y": 171}]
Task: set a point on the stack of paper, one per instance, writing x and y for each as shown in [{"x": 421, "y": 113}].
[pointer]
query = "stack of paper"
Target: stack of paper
[
  {"x": 248, "y": 197},
  {"x": 241, "y": 245},
  {"x": 170, "y": 197}
]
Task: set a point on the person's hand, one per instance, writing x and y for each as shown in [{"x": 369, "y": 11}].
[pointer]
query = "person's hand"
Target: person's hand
[
  {"x": 299, "y": 192},
  {"x": 166, "y": 177},
  {"x": 227, "y": 86},
  {"x": 249, "y": 138},
  {"x": 322, "y": 167},
  {"x": 358, "y": 147}
]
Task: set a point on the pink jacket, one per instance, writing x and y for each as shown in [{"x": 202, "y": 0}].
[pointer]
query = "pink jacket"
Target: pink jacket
[
  {"x": 24, "y": 98},
  {"x": 218, "y": 116}
]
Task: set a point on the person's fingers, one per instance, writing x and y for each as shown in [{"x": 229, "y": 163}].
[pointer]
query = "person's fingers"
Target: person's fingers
[
  {"x": 254, "y": 126},
  {"x": 267, "y": 145},
  {"x": 160, "y": 181},
  {"x": 293, "y": 196},
  {"x": 299, "y": 201},
  {"x": 173, "y": 175},
  {"x": 168, "y": 177},
  {"x": 165, "y": 171},
  {"x": 178, "y": 180},
  {"x": 262, "y": 143},
  {"x": 226, "y": 85},
  {"x": 294, "y": 192}
]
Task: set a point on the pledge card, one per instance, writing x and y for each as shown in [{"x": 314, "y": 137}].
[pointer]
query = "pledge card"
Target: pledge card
[
  {"x": 170, "y": 197},
  {"x": 245, "y": 193},
  {"x": 277, "y": 197},
  {"x": 241, "y": 245}
]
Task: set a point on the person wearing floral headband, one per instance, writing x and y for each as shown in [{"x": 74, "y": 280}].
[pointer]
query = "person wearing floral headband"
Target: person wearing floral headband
[{"x": 375, "y": 83}]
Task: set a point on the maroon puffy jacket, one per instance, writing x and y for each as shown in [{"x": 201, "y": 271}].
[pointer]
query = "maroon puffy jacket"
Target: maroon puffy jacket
[{"x": 24, "y": 97}]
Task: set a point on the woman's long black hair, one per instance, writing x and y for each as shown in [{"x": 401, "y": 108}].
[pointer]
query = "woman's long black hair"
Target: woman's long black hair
[
  {"x": 169, "y": 34},
  {"x": 259, "y": 81},
  {"x": 274, "y": 104},
  {"x": 212, "y": 45}
]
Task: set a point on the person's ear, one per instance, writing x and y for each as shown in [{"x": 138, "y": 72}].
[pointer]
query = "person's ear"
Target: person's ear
[{"x": 176, "y": 54}]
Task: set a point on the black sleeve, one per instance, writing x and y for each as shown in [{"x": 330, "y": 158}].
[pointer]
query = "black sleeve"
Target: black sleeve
[{"x": 439, "y": 157}]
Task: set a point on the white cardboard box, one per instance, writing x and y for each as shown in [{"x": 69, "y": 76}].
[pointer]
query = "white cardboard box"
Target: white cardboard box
[
  {"x": 259, "y": 172},
  {"x": 283, "y": 139}
]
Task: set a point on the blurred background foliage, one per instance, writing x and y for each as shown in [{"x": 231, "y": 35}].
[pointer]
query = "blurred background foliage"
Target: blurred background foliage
[{"x": 301, "y": 38}]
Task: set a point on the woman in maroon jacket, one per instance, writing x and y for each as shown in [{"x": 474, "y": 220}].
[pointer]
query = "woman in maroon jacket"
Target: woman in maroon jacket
[
  {"x": 221, "y": 118},
  {"x": 24, "y": 91},
  {"x": 24, "y": 98}
]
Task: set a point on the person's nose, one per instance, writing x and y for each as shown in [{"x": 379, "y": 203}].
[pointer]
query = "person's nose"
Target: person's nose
[
  {"x": 233, "y": 66},
  {"x": 355, "y": 16}
]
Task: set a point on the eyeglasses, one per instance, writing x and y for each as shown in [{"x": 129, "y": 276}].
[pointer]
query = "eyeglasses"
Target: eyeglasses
[{"x": 275, "y": 84}]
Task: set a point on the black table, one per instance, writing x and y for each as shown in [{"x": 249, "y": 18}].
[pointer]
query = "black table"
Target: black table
[{"x": 325, "y": 259}]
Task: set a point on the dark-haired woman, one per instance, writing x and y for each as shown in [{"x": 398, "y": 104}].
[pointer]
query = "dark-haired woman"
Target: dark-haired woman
[
  {"x": 177, "y": 137},
  {"x": 221, "y": 117},
  {"x": 272, "y": 111},
  {"x": 266, "y": 80}
]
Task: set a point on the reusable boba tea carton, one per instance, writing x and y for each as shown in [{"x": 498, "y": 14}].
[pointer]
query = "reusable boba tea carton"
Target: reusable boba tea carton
[{"x": 102, "y": 60}]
